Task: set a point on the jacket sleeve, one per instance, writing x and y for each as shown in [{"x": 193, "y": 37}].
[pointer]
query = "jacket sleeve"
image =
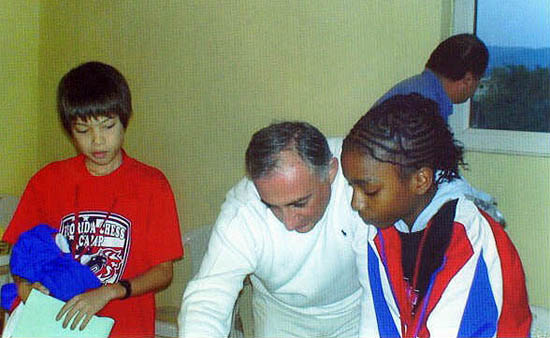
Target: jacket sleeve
[
  {"x": 210, "y": 296},
  {"x": 365, "y": 260},
  {"x": 515, "y": 318}
]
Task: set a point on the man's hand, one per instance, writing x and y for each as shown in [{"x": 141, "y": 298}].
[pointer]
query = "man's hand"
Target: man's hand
[{"x": 82, "y": 307}]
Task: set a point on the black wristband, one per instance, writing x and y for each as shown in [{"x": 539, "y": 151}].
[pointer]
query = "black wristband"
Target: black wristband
[{"x": 127, "y": 286}]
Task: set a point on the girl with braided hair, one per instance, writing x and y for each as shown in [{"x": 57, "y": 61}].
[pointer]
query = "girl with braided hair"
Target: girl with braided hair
[{"x": 436, "y": 266}]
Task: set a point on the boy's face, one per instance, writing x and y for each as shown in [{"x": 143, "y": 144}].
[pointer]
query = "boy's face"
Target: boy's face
[
  {"x": 380, "y": 195},
  {"x": 100, "y": 140}
]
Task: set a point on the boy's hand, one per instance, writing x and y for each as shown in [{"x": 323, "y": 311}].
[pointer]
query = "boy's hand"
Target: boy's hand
[
  {"x": 82, "y": 307},
  {"x": 24, "y": 288}
]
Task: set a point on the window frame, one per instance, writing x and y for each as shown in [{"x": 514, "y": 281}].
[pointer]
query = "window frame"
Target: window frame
[{"x": 488, "y": 140}]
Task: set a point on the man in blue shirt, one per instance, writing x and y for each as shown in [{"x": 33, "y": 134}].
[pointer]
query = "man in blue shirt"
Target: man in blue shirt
[{"x": 451, "y": 75}]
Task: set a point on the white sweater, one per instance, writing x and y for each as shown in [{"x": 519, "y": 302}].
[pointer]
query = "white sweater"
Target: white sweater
[{"x": 304, "y": 284}]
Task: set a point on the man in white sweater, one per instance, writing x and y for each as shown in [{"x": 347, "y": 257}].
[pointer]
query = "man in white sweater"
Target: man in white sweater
[{"x": 290, "y": 227}]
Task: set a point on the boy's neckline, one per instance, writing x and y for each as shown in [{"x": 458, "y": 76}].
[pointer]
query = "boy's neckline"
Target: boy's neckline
[{"x": 90, "y": 173}]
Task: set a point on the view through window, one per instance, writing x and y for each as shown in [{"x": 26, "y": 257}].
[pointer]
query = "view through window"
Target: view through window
[{"x": 515, "y": 91}]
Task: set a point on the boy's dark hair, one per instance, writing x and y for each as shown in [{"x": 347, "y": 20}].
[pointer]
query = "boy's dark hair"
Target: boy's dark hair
[
  {"x": 408, "y": 131},
  {"x": 457, "y": 55},
  {"x": 93, "y": 89},
  {"x": 302, "y": 138}
]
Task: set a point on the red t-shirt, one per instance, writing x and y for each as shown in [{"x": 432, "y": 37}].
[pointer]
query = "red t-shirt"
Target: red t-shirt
[{"x": 128, "y": 223}]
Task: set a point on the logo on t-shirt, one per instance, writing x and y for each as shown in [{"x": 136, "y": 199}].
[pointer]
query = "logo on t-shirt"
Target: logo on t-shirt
[{"x": 100, "y": 240}]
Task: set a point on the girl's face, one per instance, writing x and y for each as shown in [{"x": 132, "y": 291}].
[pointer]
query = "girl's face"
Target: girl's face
[{"x": 380, "y": 194}]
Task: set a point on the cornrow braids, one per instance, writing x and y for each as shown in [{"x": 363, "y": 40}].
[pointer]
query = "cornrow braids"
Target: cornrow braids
[{"x": 408, "y": 131}]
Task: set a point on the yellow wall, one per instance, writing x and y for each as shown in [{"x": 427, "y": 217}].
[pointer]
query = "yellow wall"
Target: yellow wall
[
  {"x": 19, "y": 135},
  {"x": 206, "y": 74},
  {"x": 521, "y": 185}
]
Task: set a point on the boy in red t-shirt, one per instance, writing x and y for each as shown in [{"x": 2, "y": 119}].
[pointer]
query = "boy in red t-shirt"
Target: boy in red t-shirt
[{"x": 118, "y": 215}]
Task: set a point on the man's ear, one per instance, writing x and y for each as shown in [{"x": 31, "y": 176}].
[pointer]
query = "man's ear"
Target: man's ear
[
  {"x": 333, "y": 169},
  {"x": 422, "y": 180},
  {"x": 469, "y": 79}
]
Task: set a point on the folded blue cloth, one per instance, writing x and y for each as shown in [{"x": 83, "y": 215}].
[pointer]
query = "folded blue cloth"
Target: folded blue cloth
[
  {"x": 37, "y": 258},
  {"x": 8, "y": 294}
]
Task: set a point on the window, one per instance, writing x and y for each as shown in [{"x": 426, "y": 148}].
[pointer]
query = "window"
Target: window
[{"x": 510, "y": 111}]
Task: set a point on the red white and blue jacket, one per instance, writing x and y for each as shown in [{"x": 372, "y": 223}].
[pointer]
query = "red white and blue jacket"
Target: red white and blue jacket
[{"x": 473, "y": 280}]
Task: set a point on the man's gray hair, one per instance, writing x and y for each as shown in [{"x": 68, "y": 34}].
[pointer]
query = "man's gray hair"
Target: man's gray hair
[{"x": 262, "y": 155}]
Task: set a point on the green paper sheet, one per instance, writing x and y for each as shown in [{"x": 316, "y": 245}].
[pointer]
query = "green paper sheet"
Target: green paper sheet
[{"x": 38, "y": 320}]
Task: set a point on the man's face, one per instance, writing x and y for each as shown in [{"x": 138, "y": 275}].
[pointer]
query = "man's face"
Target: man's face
[
  {"x": 296, "y": 195},
  {"x": 466, "y": 88},
  {"x": 100, "y": 140}
]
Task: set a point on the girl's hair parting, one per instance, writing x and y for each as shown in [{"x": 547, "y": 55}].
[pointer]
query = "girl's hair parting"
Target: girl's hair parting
[{"x": 408, "y": 131}]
